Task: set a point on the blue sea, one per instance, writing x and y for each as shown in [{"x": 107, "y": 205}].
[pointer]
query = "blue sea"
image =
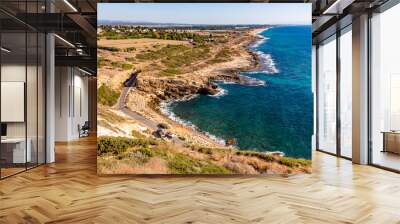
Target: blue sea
[{"x": 276, "y": 116}]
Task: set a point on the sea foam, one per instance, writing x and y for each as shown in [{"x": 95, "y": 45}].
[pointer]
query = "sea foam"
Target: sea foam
[
  {"x": 268, "y": 64},
  {"x": 221, "y": 92},
  {"x": 165, "y": 108}
]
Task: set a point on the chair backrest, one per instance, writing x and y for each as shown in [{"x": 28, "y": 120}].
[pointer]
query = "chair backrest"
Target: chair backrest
[{"x": 86, "y": 125}]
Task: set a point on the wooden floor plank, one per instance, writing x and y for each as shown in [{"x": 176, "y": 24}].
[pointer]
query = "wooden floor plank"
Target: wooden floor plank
[{"x": 69, "y": 191}]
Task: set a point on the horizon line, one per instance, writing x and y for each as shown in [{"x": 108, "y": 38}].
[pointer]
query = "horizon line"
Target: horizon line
[{"x": 211, "y": 24}]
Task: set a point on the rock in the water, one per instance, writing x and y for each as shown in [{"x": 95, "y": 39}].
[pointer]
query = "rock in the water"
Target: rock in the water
[
  {"x": 207, "y": 91},
  {"x": 231, "y": 142}
]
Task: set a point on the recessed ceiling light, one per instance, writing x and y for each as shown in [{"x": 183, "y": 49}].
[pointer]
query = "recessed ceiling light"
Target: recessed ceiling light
[
  {"x": 64, "y": 40},
  {"x": 70, "y": 5},
  {"x": 338, "y": 6},
  {"x": 86, "y": 72},
  {"x": 5, "y": 49}
]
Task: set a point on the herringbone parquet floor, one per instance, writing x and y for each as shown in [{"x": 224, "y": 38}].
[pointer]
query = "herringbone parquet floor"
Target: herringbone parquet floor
[{"x": 69, "y": 191}]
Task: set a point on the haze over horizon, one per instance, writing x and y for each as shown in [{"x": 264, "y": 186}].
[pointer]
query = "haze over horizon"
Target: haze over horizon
[{"x": 207, "y": 13}]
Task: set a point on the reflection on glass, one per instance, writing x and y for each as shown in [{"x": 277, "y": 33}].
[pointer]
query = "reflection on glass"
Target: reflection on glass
[
  {"x": 385, "y": 90},
  {"x": 327, "y": 96},
  {"x": 346, "y": 94},
  {"x": 31, "y": 97},
  {"x": 22, "y": 89},
  {"x": 14, "y": 153},
  {"x": 41, "y": 99}
]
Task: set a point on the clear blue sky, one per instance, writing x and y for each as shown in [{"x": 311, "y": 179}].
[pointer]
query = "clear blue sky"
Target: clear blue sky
[{"x": 207, "y": 13}]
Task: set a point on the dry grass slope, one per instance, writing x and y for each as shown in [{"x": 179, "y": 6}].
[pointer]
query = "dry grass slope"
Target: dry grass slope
[{"x": 122, "y": 155}]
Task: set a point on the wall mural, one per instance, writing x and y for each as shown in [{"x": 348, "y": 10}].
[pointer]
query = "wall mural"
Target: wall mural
[{"x": 204, "y": 88}]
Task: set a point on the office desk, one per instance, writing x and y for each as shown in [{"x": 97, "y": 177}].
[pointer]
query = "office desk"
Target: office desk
[
  {"x": 13, "y": 150},
  {"x": 391, "y": 141}
]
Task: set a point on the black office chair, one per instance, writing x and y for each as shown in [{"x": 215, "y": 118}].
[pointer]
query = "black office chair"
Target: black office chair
[{"x": 84, "y": 130}]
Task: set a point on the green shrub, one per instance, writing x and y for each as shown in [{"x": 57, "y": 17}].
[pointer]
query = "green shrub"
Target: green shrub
[
  {"x": 115, "y": 145},
  {"x": 130, "y": 49},
  {"x": 214, "y": 169},
  {"x": 206, "y": 150},
  {"x": 146, "y": 152},
  {"x": 137, "y": 134},
  {"x": 119, "y": 145},
  {"x": 260, "y": 155},
  {"x": 148, "y": 56},
  {"x": 171, "y": 72},
  {"x": 142, "y": 155},
  {"x": 222, "y": 56},
  {"x": 163, "y": 125},
  {"x": 107, "y": 96},
  {"x": 101, "y": 62},
  {"x": 112, "y": 49},
  {"x": 291, "y": 162},
  {"x": 126, "y": 66},
  {"x": 183, "y": 164},
  {"x": 130, "y": 59}
]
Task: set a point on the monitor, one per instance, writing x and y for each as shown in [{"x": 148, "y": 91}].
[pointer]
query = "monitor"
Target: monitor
[{"x": 3, "y": 129}]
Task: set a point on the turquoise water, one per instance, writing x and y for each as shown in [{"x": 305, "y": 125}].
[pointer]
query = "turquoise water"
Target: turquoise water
[{"x": 276, "y": 116}]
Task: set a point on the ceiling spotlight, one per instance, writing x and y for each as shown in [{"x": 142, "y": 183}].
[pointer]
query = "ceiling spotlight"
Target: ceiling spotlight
[
  {"x": 70, "y": 5},
  {"x": 79, "y": 51},
  {"x": 5, "y": 49},
  {"x": 337, "y": 7},
  {"x": 64, "y": 40},
  {"x": 86, "y": 72}
]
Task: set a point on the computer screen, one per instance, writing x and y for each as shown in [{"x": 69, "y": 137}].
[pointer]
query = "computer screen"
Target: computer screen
[{"x": 3, "y": 129}]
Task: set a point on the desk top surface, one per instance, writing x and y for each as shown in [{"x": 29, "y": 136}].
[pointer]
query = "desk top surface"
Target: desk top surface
[
  {"x": 391, "y": 132},
  {"x": 13, "y": 140}
]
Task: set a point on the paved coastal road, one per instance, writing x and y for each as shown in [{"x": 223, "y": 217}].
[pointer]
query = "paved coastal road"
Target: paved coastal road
[
  {"x": 129, "y": 85},
  {"x": 132, "y": 114}
]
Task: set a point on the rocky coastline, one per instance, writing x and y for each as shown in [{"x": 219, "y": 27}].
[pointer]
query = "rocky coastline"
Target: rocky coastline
[
  {"x": 186, "y": 86},
  {"x": 145, "y": 110}
]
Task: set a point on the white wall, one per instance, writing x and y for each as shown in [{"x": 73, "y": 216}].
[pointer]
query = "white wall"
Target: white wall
[
  {"x": 71, "y": 102},
  {"x": 62, "y": 81},
  {"x": 16, "y": 73},
  {"x": 33, "y": 126}
]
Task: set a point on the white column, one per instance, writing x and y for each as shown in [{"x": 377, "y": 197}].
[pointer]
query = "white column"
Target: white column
[
  {"x": 360, "y": 90},
  {"x": 313, "y": 89},
  {"x": 50, "y": 98}
]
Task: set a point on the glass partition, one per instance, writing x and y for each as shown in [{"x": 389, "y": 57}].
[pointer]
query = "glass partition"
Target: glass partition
[
  {"x": 22, "y": 88},
  {"x": 31, "y": 97},
  {"x": 327, "y": 95},
  {"x": 385, "y": 89},
  {"x": 13, "y": 94},
  {"x": 41, "y": 97},
  {"x": 346, "y": 92}
]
